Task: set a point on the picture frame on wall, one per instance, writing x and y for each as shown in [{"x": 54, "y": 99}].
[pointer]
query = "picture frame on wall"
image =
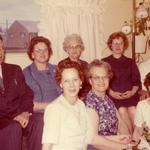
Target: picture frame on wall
[{"x": 18, "y": 24}]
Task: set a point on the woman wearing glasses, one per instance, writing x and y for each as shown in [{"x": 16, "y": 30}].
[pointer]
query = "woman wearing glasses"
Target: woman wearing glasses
[
  {"x": 126, "y": 82},
  {"x": 66, "y": 122},
  {"x": 73, "y": 45},
  {"x": 104, "y": 115},
  {"x": 40, "y": 77}
]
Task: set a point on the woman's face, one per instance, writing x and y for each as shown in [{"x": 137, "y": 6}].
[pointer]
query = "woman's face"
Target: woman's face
[
  {"x": 70, "y": 82},
  {"x": 40, "y": 53},
  {"x": 99, "y": 80},
  {"x": 118, "y": 46},
  {"x": 74, "y": 49}
]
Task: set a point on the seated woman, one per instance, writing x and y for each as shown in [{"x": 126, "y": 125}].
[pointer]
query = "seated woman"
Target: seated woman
[
  {"x": 126, "y": 82},
  {"x": 66, "y": 122},
  {"x": 39, "y": 76},
  {"x": 142, "y": 118},
  {"x": 73, "y": 45},
  {"x": 101, "y": 108}
]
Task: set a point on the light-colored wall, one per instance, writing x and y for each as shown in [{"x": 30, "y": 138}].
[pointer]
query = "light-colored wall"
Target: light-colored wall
[{"x": 116, "y": 12}]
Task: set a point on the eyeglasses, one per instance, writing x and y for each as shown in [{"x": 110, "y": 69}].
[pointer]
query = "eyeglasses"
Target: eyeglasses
[
  {"x": 40, "y": 50},
  {"x": 97, "y": 78},
  {"x": 74, "y": 47},
  {"x": 116, "y": 44}
]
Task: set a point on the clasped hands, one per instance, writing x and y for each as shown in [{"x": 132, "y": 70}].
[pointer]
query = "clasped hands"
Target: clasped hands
[
  {"x": 119, "y": 95},
  {"x": 23, "y": 118}
]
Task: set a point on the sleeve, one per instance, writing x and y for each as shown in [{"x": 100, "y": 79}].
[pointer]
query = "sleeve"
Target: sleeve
[
  {"x": 51, "y": 130},
  {"x": 138, "y": 121},
  {"x": 143, "y": 71},
  {"x": 90, "y": 104},
  {"x": 25, "y": 93},
  {"x": 136, "y": 79},
  {"x": 90, "y": 130}
]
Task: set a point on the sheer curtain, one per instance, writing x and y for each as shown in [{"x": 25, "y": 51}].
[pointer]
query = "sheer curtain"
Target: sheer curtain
[{"x": 61, "y": 17}]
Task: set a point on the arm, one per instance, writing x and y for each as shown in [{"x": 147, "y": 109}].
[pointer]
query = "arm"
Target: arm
[
  {"x": 116, "y": 95},
  {"x": 25, "y": 93},
  {"x": 138, "y": 131},
  {"x": 130, "y": 93},
  {"x": 40, "y": 105},
  {"x": 143, "y": 94},
  {"x": 122, "y": 128},
  {"x": 23, "y": 118},
  {"x": 103, "y": 142},
  {"x": 52, "y": 126},
  {"x": 47, "y": 146},
  {"x": 138, "y": 122}
]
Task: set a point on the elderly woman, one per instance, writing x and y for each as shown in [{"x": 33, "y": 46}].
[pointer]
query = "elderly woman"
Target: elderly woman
[
  {"x": 66, "y": 122},
  {"x": 73, "y": 45},
  {"x": 142, "y": 118},
  {"x": 40, "y": 77},
  {"x": 101, "y": 108},
  {"x": 126, "y": 81}
]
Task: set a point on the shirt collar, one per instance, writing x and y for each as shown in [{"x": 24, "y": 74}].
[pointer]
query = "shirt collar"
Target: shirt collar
[{"x": 65, "y": 102}]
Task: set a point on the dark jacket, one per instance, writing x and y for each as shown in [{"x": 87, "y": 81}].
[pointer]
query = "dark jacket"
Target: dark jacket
[{"x": 17, "y": 97}]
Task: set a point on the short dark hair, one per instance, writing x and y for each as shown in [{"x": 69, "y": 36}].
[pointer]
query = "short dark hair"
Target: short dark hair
[
  {"x": 117, "y": 35},
  {"x": 1, "y": 38},
  {"x": 147, "y": 81},
  {"x": 66, "y": 64},
  {"x": 36, "y": 40}
]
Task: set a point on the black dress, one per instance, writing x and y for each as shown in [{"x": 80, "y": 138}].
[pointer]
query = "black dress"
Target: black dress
[{"x": 126, "y": 75}]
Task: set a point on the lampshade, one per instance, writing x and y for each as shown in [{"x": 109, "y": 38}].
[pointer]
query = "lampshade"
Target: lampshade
[{"x": 141, "y": 12}]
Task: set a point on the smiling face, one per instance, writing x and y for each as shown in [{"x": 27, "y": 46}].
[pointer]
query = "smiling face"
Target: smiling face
[
  {"x": 118, "y": 46},
  {"x": 70, "y": 83},
  {"x": 40, "y": 53},
  {"x": 74, "y": 49},
  {"x": 99, "y": 80}
]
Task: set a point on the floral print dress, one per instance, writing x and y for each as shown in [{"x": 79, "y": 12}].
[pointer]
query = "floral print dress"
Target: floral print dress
[{"x": 106, "y": 110}]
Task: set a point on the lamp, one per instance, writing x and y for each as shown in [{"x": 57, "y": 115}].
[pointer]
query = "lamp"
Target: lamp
[{"x": 140, "y": 29}]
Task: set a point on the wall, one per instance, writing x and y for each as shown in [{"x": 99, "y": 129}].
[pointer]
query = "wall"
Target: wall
[{"x": 116, "y": 12}]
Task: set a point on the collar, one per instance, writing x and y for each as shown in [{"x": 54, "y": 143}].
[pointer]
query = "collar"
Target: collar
[
  {"x": 92, "y": 94},
  {"x": 66, "y": 103}
]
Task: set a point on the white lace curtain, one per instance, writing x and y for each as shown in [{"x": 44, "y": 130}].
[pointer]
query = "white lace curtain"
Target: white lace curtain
[{"x": 61, "y": 17}]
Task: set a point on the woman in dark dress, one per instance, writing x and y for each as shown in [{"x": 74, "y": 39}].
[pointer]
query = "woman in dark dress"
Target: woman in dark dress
[{"x": 126, "y": 82}]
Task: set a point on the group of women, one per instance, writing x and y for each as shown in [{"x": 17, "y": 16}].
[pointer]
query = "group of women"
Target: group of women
[{"x": 85, "y": 104}]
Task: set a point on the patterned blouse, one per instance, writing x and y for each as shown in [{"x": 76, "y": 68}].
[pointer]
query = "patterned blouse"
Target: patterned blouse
[{"x": 106, "y": 110}]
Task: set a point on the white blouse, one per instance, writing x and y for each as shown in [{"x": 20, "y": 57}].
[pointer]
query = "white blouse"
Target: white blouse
[
  {"x": 142, "y": 113},
  {"x": 66, "y": 126}
]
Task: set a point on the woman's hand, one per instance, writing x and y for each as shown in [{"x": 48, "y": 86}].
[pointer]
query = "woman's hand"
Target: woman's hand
[
  {"x": 116, "y": 95},
  {"x": 128, "y": 94},
  {"x": 122, "y": 138}
]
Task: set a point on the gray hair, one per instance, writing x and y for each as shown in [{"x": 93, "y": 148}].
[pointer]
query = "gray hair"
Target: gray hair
[
  {"x": 71, "y": 37},
  {"x": 101, "y": 64}
]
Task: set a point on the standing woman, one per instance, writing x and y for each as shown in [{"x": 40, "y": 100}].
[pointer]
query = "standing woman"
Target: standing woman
[
  {"x": 66, "y": 123},
  {"x": 40, "y": 77},
  {"x": 126, "y": 82}
]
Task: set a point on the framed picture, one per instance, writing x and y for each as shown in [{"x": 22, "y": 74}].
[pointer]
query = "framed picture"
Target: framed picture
[{"x": 18, "y": 23}]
